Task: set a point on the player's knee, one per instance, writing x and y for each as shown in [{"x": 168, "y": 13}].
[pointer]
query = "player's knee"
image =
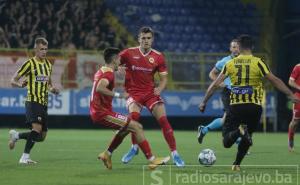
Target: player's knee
[
  {"x": 41, "y": 137},
  {"x": 135, "y": 116},
  {"x": 135, "y": 126},
  {"x": 226, "y": 143},
  {"x": 139, "y": 126}
]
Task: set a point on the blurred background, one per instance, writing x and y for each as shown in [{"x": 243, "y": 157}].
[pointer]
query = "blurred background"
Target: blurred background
[{"x": 193, "y": 34}]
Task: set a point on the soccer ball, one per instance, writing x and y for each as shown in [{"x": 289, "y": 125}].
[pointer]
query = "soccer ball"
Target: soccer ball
[{"x": 207, "y": 157}]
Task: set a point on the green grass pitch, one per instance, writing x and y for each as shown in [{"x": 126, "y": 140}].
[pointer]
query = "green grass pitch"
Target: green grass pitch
[{"x": 68, "y": 157}]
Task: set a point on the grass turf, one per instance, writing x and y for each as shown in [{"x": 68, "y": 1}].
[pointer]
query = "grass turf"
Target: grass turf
[{"x": 68, "y": 157}]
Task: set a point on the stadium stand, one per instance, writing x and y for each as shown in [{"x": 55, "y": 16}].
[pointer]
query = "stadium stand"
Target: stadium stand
[
  {"x": 189, "y": 26},
  {"x": 66, "y": 24}
]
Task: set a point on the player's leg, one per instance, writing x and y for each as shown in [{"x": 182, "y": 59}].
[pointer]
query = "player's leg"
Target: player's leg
[
  {"x": 293, "y": 126},
  {"x": 214, "y": 125},
  {"x": 36, "y": 117},
  {"x": 114, "y": 121},
  {"x": 134, "y": 113},
  {"x": 218, "y": 122},
  {"x": 232, "y": 129},
  {"x": 250, "y": 115},
  {"x": 31, "y": 139},
  {"x": 159, "y": 112},
  {"x": 137, "y": 128},
  {"x": 125, "y": 126}
]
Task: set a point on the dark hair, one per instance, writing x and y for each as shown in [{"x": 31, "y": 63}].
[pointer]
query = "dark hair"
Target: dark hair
[
  {"x": 40, "y": 40},
  {"x": 109, "y": 53},
  {"x": 146, "y": 29},
  {"x": 233, "y": 40},
  {"x": 245, "y": 42}
]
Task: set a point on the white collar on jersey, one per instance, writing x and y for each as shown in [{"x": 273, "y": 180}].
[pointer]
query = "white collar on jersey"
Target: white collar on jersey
[{"x": 143, "y": 53}]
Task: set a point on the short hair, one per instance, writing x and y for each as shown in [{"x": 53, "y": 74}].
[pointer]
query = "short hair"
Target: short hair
[
  {"x": 245, "y": 41},
  {"x": 40, "y": 40},
  {"x": 109, "y": 53},
  {"x": 146, "y": 29},
  {"x": 233, "y": 40}
]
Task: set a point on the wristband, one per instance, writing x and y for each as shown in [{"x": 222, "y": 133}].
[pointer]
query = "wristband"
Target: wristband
[{"x": 117, "y": 95}]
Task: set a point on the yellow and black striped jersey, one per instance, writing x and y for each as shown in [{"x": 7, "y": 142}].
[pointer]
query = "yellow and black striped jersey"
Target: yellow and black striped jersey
[
  {"x": 246, "y": 73},
  {"x": 38, "y": 74}
]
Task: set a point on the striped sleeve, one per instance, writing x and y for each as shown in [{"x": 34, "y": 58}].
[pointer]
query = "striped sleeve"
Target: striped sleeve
[
  {"x": 264, "y": 69},
  {"x": 25, "y": 69}
]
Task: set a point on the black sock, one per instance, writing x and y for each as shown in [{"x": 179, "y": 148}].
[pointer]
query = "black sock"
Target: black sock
[
  {"x": 24, "y": 135},
  {"x": 242, "y": 151},
  {"x": 230, "y": 138},
  {"x": 31, "y": 139}
]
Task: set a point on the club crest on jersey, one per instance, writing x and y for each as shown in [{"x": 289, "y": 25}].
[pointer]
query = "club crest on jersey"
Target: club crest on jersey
[{"x": 151, "y": 60}]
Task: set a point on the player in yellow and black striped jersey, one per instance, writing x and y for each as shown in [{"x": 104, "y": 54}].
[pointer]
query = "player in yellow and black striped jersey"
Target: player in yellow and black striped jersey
[
  {"x": 37, "y": 74},
  {"x": 246, "y": 73}
]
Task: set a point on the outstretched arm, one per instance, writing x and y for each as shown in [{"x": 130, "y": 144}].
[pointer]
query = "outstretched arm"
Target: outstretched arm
[
  {"x": 293, "y": 84},
  {"x": 276, "y": 82},
  {"x": 210, "y": 91}
]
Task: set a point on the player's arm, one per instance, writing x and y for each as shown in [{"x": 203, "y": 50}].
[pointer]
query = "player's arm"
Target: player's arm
[
  {"x": 293, "y": 84},
  {"x": 102, "y": 88},
  {"x": 210, "y": 91},
  {"x": 213, "y": 75},
  {"x": 15, "y": 81},
  {"x": 277, "y": 83},
  {"x": 163, "y": 80},
  {"x": 52, "y": 88}
]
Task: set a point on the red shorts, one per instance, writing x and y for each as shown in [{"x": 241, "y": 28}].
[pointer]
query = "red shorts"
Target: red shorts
[
  {"x": 296, "y": 110},
  {"x": 148, "y": 100},
  {"x": 111, "y": 119}
]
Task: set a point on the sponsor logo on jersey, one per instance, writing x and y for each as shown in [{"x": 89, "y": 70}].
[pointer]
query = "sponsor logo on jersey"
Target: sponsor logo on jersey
[
  {"x": 41, "y": 78},
  {"x": 137, "y": 68}
]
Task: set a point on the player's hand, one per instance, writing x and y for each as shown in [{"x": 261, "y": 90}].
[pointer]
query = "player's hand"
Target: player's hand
[
  {"x": 222, "y": 85},
  {"x": 24, "y": 83},
  {"x": 54, "y": 90},
  {"x": 294, "y": 99},
  {"x": 157, "y": 91},
  {"x": 124, "y": 95},
  {"x": 122, "y": 70},
  {"x": 202, "y": 107}
]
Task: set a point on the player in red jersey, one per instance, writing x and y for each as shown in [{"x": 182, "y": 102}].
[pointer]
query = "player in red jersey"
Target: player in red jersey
[
  {"x": 294, "y": 82},
  {"x": 101, "y": 111},
  {"x": 141, "y": 64}
]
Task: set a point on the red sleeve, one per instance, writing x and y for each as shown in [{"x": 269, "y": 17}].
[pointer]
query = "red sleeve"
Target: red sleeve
[
  {"x": 162, "y": 66},
  {"x": 123, "y": 56},
  {"x": 295, "y": 73}
]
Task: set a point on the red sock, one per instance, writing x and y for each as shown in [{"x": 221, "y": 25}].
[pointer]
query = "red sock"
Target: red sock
[
  {"x": 291, "y": 134},
  {"x": 145, "y": 147},
  {"x": 116, "y": 141},
  {"x": 168, "y": 132},
  {"x": 136, "y": 117}
]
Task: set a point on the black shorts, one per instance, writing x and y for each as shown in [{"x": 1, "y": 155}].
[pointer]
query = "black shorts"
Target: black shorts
[
  {"x": 36, "y": 113},
  {"x": 248, "y": 114},
  {"x": 225, "y": 95}
]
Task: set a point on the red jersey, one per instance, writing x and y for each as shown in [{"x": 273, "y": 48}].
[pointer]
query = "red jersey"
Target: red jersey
[
  {"x": 295, "y": 75},
  {"x": 100, "y": 103},
  {"x": 140, "y": 69}
]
